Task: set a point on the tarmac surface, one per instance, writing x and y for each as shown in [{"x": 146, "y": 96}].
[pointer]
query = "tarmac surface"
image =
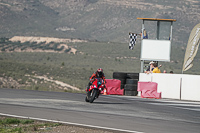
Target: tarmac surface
[{"x": 108, "y": 112}]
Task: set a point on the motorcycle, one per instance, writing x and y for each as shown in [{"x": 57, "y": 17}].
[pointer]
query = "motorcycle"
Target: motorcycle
[{"x": 94, "y": 90}]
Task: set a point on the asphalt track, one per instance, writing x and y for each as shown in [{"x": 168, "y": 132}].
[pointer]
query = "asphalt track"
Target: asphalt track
[{"x": 116, "y": 113}]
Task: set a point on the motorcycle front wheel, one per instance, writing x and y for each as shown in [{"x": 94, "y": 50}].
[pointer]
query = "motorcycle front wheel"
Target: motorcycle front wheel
[
  {"x": 86, "y": 99},
  {"x": 92, "y": 95}
]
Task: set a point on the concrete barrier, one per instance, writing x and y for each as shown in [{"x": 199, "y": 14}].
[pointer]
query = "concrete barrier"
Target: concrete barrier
[
  {"x": 168, "y": 84},
  {"x": 190, "y": 87},
  {"x": 113, "y": 87},
  {"x": 175, "y": 86},
  {"x": 148, "y": 90}
]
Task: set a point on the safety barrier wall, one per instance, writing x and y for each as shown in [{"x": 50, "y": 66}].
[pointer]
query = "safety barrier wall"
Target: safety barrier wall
[
  {"x": 190, "y": 87},
  {"x": 175, "y": 86}
]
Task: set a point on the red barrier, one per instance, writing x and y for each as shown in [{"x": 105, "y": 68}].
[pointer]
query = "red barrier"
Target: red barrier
[
  {"x": 148, "y": 90},
  {"x": 113, "y": 87}
]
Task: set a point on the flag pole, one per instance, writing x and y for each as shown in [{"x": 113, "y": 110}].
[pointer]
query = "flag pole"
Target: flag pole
[{"x": 182, "y": 66}]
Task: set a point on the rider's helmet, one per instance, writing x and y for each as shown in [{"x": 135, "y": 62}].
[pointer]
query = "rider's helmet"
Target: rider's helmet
[{"x": 100, "y": 72}]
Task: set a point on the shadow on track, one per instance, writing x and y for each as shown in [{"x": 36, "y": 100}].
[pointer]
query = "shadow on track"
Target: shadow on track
[{"x": 96, "y": 102}]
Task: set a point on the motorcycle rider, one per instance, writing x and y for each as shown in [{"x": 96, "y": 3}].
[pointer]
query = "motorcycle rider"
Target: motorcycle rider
[{"x": 98, "y": 74}]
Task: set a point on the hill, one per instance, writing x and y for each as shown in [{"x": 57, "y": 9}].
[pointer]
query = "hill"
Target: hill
[
  {"x": 101, "y": 20},
  {"x": 67, "y": 40},
  {"x": 46, "y": 66}
]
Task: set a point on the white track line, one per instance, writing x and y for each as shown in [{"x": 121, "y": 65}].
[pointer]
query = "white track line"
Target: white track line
[{"x": 70, "y": 123}]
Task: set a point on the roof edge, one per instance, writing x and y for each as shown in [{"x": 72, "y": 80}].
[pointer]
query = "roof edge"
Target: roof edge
[{"x": 157, "y": 19}]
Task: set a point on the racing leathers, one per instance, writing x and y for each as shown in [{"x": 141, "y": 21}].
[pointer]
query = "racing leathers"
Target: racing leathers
[{"x": 96, "y": 75}]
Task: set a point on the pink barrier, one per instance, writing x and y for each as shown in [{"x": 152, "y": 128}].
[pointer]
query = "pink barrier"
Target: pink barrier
[
  {"x": 148, "y": 90},
  {"x": 113, "y": 87}
]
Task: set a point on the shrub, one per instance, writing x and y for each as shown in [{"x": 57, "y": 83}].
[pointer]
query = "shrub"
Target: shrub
[
  {"x": 63, "y": 64},
  {"x": 67, "y": 50},
  {"x": 36, "y": 88},
  {"x": 4, "y": 39},
  {"x": 27, "y": 121},
  {"x": 12, "y": 121},
  {"x": 60, "y": 49}
]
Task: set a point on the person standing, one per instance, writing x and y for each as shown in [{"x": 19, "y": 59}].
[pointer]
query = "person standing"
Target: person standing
[
  {"x": 156, "y": 69},
  {"x": 150, "y": 67}
]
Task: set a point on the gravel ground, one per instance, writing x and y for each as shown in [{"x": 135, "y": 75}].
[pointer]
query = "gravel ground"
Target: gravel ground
[
  {"x": 75, "y": 129},
  {"x": 44, "y": 127}
]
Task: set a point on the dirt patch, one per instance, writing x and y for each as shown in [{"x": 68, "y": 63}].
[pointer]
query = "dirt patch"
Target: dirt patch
[
  {"x": 5, "y": 4},
  {"x": 9, "y": 83},
  {"x": 66, "y": 47},
  {"x": 66, "y": 86},
  {"x": 43, "y": 39},
  {"x": 138, "y": 4}
]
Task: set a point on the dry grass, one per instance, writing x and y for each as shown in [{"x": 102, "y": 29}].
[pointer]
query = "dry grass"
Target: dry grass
[{"x": 14, "y": 125}]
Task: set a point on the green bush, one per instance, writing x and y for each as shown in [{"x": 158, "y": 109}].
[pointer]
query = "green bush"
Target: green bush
[
  {"x": 67, "y": 50},
  {"x": 55, "y": 46},
  {"x": 27, "y": 121},
  {"x": 3, "y": 40},
  {"x": 60, "y": 49},
  {"x": 11, "y": 121},
  {"x": 17, "y": 130}
]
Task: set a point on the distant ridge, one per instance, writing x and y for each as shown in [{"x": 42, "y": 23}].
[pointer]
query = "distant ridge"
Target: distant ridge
[{"x": 95, "y": 20}]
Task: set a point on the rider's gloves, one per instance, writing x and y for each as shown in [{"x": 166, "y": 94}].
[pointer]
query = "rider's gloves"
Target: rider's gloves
[{"x": 90, "y": 83}]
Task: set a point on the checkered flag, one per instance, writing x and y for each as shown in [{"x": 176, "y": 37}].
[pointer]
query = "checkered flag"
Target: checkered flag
[{"x": 133, "y": 38}]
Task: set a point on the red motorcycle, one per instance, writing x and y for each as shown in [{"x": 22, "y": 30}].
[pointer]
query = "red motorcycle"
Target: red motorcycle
[{"x": 94, "y": 90}]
